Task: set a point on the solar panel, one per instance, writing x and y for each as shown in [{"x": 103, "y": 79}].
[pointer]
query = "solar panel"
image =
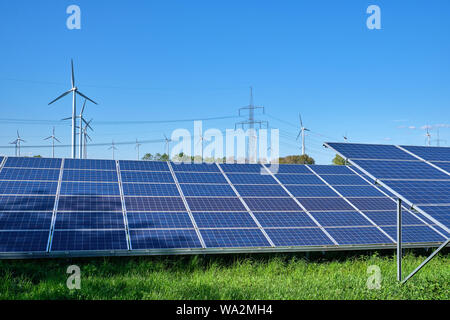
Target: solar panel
[
  {"x": 443, "y": 165},
  {"x": 153, "y": 213},
  {"x": 299, "y": 237},
  {"x": 415, "y": 234},
  {"x": 430, "y": 153},
  {"x": 223, "y": 238},
  {"x": 164, "y": 239},
  {"x": 441, "y": 213},
  {"x": 373, "y": 151},
  {"x": 28, "y": 187},
  {"x": 423, "y": 192}
]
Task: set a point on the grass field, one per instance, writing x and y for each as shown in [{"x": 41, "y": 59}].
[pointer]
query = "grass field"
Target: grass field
[{"x": 283, "y": 276}]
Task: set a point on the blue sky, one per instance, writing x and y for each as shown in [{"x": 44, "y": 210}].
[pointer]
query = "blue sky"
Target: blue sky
[{"x": 167, "y": 60}]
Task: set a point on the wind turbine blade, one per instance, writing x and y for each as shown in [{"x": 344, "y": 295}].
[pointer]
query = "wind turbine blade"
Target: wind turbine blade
[
  {"x": 56, "y": 139},
  {"x": 82, "y": 108},
  {"x": 48, "y": 138},
  {"x": 301, "y": 122},
  {"x": 86, "y": 97},
  {"x": 73, "y": 75},
  {"x": 69, "y": 118},
  {"x": 64, "y": 94},
  {"x": 87, "y": 124},
  {"x": 300, "y": 132}
]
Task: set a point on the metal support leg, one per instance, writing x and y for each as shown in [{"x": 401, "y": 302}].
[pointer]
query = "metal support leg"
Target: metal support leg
[
  {"x": 427, "y": 260},
  {"x": 399, "y": 240}
]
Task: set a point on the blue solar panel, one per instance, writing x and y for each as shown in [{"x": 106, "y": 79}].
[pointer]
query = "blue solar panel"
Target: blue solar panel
[
  {"x": 143, "y": 165},
  {"x": 184, "y": 177},
  {"x": 411, "y": 234},
  {"x": 27, "y": 203},
  {"x": 155, "y": 220},
  {"x": 89, "y": 203},
  {"x": 89, "y": 164},
  {"x": 89, "y": 220},
  {"x": 90, "y": 175},
  {"x": 150, "y": 189},
  {"x": 284, "y": 219},
  {"x": 299, "y": 237},
  {"x": 358, "y": 235},
  {"x": 352, "y": 180},
  {"x": 440, "y": 213},
  {"x": 331, "y": 169},
  {"x": 234, "y": 238},
  {"x": 401, "y": 170},
  {"x": 13, "y": 162},
  {"x": 373, "y": 151},
  {"x": 249, "y": 168},
  {"x": 289, "y": 168},
  {"x": 28, "y": 187},
  {"x": 358, "y": 191},
  {"x": 224, "y": 219},
  {"x": 29, "y": 174},
  {"x": 344, "y": 219},
  {"x": 325, "y": 204},
  {"x": 215, "y": 204},
  {"x": 84, "y": 240},
  {"x": 89, "y": 188},
  {"x": 25, "y": 220},
  {"x": 207, "y": 190},
  {"x": 373, "y": 203},
  {"x": 389, "y": 218},
  {"x": 311, "y": 191},
  {"x": 299, "y": 179},
  {"x": 146, "y": 176},
  {"x": 195, "y": 167},
  {"x": 154, "y": 204},
  {"x": 248, "y": 178},
  {"x": 424, "y": 192},
  {"x": 272, "y": 204},
  {"x": 23, "y": 241},
  {"x": 1, "y": 159},
  {"x": 261, "y": 191},
  {"x": 430, "y": 153},
  {"x": 443, "y": 165},
  {"x": 164, "y": 239}
]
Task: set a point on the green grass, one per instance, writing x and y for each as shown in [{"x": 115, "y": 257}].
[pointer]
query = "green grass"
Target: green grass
[{"x": 283, "y": 276}]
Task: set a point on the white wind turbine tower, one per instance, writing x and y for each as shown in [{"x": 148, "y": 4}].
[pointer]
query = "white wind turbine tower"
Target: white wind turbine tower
[
  {"x": 85, "y": 137},
  {"x": 17, "y": 143},
  {"x": 428, "y": 137},
  {"x": 74, "y": 91},
  {"x": 167, "y": 141},
  {"x": 302, "y": 133},
  {"x": 53, "y": 137},
  {"x": 113, "y": 148},
  {"x": 201, "y": 138},
  {"x": 137, "y": 148}
]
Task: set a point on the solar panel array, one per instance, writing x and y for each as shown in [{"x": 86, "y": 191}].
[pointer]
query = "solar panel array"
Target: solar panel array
[
  {"x": 419, "y": 175},
  {"x": 76, "y": 207}
]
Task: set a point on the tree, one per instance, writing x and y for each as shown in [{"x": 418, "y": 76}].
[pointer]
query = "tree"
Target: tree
[
  {"x": 303, "y": 159},
  {"x": 339, "y": 161},
  {"x": 37, "y": 156},
  {"x": 148, "y": 157}
]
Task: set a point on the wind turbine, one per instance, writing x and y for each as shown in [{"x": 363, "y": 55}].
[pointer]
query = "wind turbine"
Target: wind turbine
[
  {"x": 345, "y": 137},
  {"x": 137, "y": 148},
  {"x": 17, "y": 143},
  {"x": 302, "y": 133},
  {"x": 113, "y": 148},
  {"x": 74, "y": 91},
  {"x": 428, "y": 136},
  {"x": 85, "y": 137},
  {"x": 53, "y": 137},
  {"x": 168, "y": 141},
  {"x": 200, "y": 140}
]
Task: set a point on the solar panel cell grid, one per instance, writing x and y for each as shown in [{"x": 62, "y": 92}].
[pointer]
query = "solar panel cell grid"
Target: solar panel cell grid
[
  {"x": 195, "y": 167},
  {"x": 331, "y": 169},
  {"x": 89, "y": 203},
  {"x": 215, "y": 204},
  {"x": 224, "y": 220},
  {"x": 364, "y": 151},
  {"x": 207, "y": 190},
  {"x": 248, "y": 168},
  {"x": 164, "y": 239},
  {"x": 389, "y": 218},
  {"x": 287, "y": 168},
  {"x": 311, "y": 191},
  {"x": 150, "y": 189},
  {"x": 359, "y": 191},
  {"x": 440, "y": 213},
  {"x": 215, "y": 238},
  {"x": 29, "y": 174},
  {"x": 272, "y": 204},
  {"x": 358, "y": 235},
  {"x": 299, "y": 237},
  {"x": 430, "y": 154},
  {"x": 411, "y": 234},
  {"x": 249, "y": 178},
  {"x": 352, "y": 180},
  {"x": 90, "y": 175},
  {"x": 156, "y": 220},
  {"x": 345, "y": 219},
  {"x": 84, "y": 240},
  {"x": 300, "y": 179},
  {"x": 284, "y": 219},
  {"x": 89, "y": 188},
  {"x": 147, "y": 176},
  {"x": 261, "y": 191},
  {"x": 89, "y": 220},
  {"x": 325, "y": 204},
  {"x": 422, "y": 192},
  {"x": 28, "y": 187},
  {"x": 23, "y": 241},
  {"x": 184, "y": 177},
  {"x": 373, "y": 203},
  {"x": 143, "y": 165},
  {"x": 157, "y": 204},
  {"x": 90, "y": 164},
  {"x": 401, "y": 170},
  {"x": 25, "y": 220},
  {"x": 27, "y": 203},
  {"x": 13, "y": 162}
]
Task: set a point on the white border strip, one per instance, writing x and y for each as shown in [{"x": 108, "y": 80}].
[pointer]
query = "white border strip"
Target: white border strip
[
  {"x": 124, "y": 209},
  {"x": 55, "y": 207}
]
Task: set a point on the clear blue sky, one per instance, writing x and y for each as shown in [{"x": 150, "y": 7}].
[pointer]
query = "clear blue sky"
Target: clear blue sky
[{"x": 165, "y": 60}]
